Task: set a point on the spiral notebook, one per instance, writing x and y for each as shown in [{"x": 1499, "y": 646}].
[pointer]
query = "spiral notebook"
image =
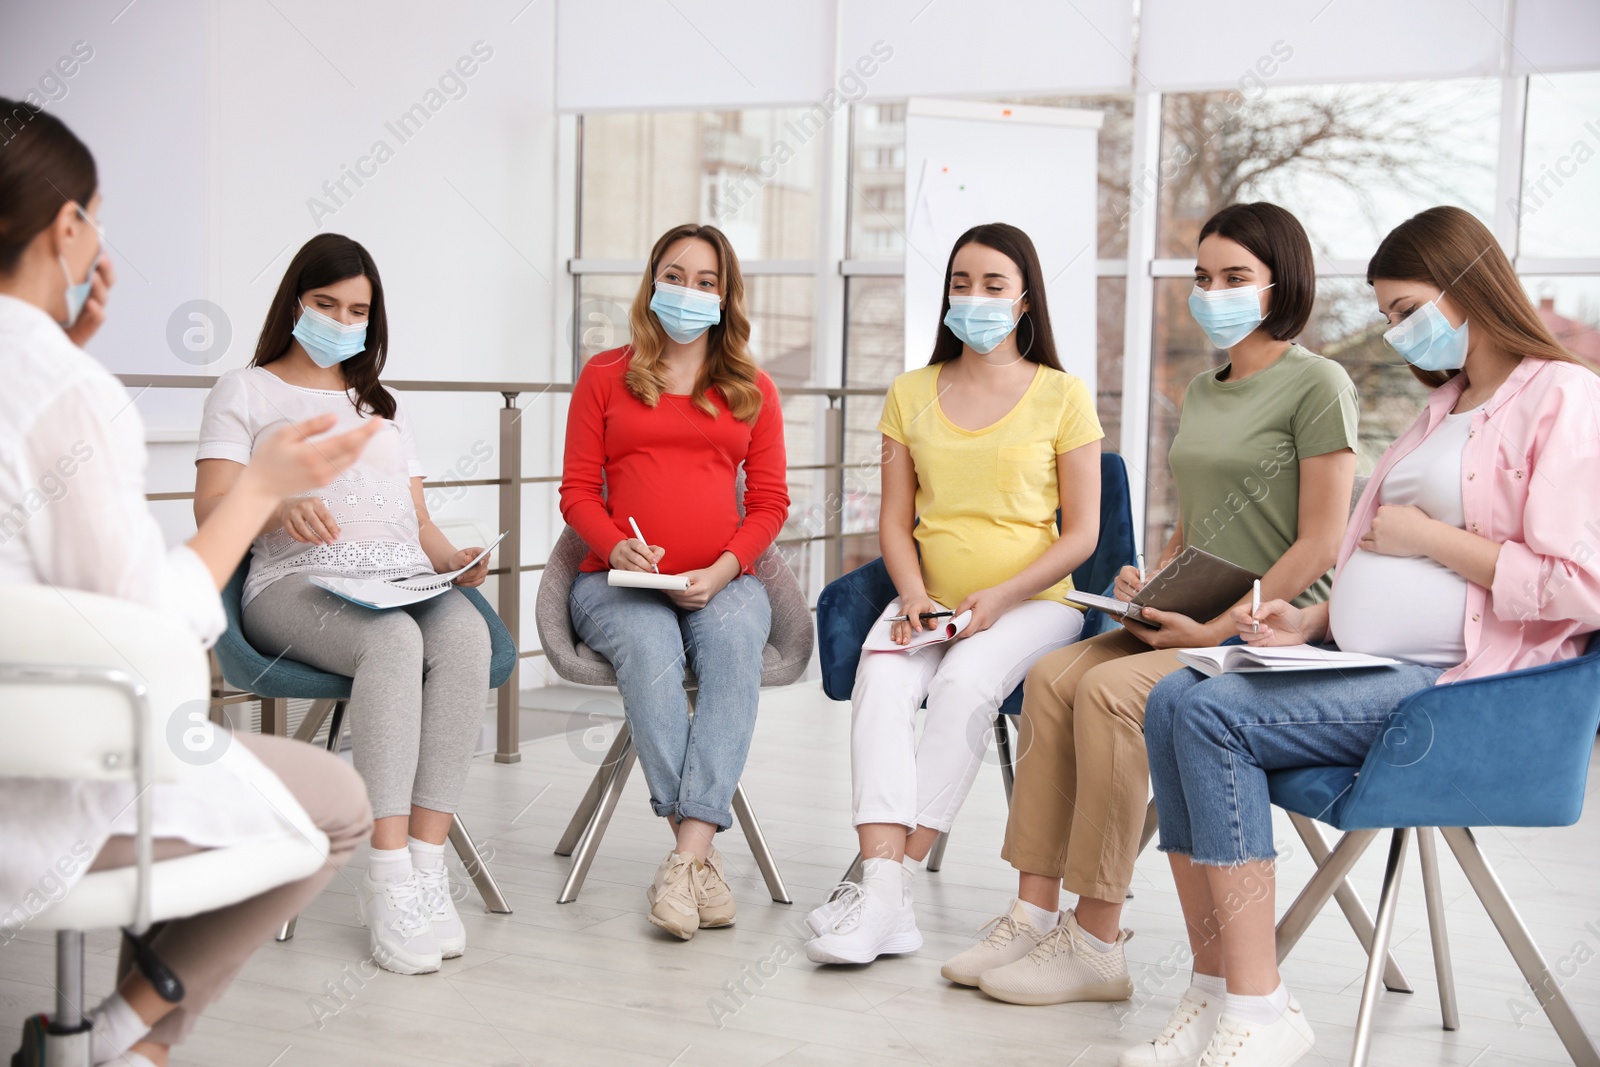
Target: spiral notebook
[{"x": 380, "y": 595}]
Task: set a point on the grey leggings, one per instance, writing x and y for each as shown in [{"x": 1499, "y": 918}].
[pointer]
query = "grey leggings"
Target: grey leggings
[{"x": 421, "y": 683}]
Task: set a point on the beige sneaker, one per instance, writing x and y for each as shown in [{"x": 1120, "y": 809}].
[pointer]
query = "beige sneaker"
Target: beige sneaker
[
  {"x": 1063, "y": 967},
  {"x": 1011, "y": 937},
  {"x": 672, "y": 896},
  {"x": 711, "y": 893}
]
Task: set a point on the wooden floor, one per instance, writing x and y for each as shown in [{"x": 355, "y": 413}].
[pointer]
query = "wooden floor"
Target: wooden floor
[{"x": 593, "y": 983}]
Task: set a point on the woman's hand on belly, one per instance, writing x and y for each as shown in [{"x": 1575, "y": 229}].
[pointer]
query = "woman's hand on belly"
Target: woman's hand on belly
[
  {"x": 986, "y": 605},
  {"x": 1398, "y": 530},
  {"x": 308, "y": 520}
]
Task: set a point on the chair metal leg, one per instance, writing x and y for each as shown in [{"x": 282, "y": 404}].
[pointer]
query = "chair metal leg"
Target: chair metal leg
[
  {"x": 1002, "y": 748},
  {"x": 758, "y": 846},
  {"x": 1331, "y": 871},
  {"x": 477, "y": 868},
  {"x": 274, "y": 717},
  {"x": 288, "y": 930},
  {"x": 589, "y": 841},
  {"x": 336, "y": 726},
  {"x": 854, "y": 873},
  {"x": 1492, "y": 895},
  {"x": 1148, "y": 834},
  {"x": 69, "y": 1040},
  {"x": 1355, "y": 912},
  {"x": 936, "y": 853},
  {"x": 591, "y": 797},
  {"x": 309, "y": 725},
  {"x": 1387, "y": 904},
  {"x": 1429, "y": 856}
]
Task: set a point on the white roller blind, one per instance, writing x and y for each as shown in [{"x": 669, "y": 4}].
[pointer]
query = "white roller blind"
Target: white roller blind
[
  {"x": 1556, "y": 35},
  {"x": 1249, "y": 43},
  {"x": 655, "y": 55},
  {"x": 992, "y": 48}
]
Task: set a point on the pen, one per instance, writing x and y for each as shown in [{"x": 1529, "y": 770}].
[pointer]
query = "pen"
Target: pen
[
  {"x": 1141, "y": 568},
  {"x": 640, "y": 536},
  {"x": 1255, "y": 606},
  {"x": 922, "y": 615}
]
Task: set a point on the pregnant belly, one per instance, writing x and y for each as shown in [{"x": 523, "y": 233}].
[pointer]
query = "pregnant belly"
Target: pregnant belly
[{"x": 1410, "y": 608}]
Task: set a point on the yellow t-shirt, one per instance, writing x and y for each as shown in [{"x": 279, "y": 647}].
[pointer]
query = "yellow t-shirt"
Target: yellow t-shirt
[{"x": 987, "y": 499}]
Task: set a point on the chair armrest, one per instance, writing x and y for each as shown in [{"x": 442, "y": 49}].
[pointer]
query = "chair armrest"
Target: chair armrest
[{"x": 1505, "y": 750}]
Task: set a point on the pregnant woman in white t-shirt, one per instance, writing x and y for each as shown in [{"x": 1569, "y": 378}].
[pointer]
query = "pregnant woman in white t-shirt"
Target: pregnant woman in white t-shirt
[{"x": 421, "y": 673}]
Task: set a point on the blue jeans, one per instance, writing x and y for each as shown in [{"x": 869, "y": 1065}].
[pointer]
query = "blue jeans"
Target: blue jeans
[
  {"x": 691, "y": 766},
  {"x": 1211, "y": 742}
]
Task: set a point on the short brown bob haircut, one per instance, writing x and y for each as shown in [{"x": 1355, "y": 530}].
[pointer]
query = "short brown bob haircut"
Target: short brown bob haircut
[{"x": 1277, "y": 239}]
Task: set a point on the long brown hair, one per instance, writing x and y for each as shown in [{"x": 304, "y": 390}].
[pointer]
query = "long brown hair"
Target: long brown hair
[
  {"x": 1018, "y": 248},
  {"x": 42, "y": 166},
  {"x": 325, "y": 259},
  {"x": 729, "y": 367},
  {"x": 1450, "y": 249}
]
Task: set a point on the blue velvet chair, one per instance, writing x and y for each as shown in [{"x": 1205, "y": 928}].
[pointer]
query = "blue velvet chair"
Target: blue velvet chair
[
  {"x": 849, "y": 605},
  {"x": 1506, "y": 750},
  {"x": 278, "y": 680}
]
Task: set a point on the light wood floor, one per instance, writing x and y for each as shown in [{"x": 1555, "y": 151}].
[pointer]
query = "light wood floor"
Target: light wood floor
[{"x": 593, "y": 983}]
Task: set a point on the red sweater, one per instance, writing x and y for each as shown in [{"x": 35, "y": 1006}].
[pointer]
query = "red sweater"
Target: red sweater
[{"x": 673, "y": 468}]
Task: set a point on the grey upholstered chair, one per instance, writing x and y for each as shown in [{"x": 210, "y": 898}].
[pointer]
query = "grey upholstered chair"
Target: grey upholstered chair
[{"x": 783, "y": 661}]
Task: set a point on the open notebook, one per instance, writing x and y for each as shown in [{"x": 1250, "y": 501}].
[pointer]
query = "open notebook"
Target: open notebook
[
  {"x": 1195, "y": 583},
  {"x": 878, "y": 639},
  {"x": 379, "y": 595},
  {"x": 1242, "y": 659}
]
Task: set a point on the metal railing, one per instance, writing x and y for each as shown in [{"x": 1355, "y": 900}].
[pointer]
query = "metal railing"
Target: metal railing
[{"x": 510, "y": 480}]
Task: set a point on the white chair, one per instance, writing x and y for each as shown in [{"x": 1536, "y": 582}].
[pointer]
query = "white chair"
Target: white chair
[{"x": 88, "y": 686}]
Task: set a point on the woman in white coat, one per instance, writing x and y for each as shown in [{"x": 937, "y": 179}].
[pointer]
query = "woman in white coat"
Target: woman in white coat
[{"x": 73, "y": 515}]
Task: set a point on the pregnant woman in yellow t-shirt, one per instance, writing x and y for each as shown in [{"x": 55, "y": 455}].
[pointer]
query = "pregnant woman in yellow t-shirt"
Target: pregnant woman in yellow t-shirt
[{"x": 980, "y": 448}]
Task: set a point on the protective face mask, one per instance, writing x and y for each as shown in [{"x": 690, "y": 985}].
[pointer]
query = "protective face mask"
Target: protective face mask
[
  {"x": 1227, "y": 316},
  {"x": 1426, "y": 340},
  {"x": 328, "y": 341},
  {"x": 685, "y": 313},
  {"x": 78, "y": 292},
  {"x": 981, "y": 322}
]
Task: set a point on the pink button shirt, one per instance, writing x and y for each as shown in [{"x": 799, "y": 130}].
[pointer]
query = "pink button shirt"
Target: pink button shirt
[{"x": 1530, "y": 479}]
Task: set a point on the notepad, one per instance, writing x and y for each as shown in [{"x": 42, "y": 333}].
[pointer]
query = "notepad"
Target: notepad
[
  {"x": 1243, "y": 659},
  {"x": 646, "y": 580},
  {"x": 380, "y": 595},
  {"x": 878, "y": 639},
  {"x": 1196, "y": 584}
]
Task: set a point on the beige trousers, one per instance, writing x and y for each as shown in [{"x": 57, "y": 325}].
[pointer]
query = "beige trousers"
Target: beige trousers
[
  {"x": 206, "y": 951},
  {"x": 1083, "y": 781}
]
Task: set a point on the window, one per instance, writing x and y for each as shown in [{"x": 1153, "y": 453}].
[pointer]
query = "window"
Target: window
[{"x": 1560, "y": 179}]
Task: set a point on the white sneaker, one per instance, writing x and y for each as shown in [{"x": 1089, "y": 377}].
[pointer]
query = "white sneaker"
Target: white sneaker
[
  {"x": 1237, "y": 1043},
  {"x": 830, "y": 911},
  {"x": 1011, "y": 937},
  {"x": 673, "y": 906},
  {"x": 447, "y": 926},
  {"x": 1183, "y": 1038},
  {"x": 1063, "y": 967},
  {"x": 396, "y": 914},
  {"x": 879, "y": 922}
]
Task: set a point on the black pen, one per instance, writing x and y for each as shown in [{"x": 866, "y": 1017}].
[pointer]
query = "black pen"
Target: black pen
[{"x": 922, "y": 615}]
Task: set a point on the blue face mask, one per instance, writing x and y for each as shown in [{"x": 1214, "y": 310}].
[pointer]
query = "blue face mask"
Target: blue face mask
[
  {"x": 1426, "y": 340},
  {"x": 328, "y": 341},
  {"x": 78, "y": 292},
  {"x": 1227, "y": 316},
  {"x": 981, "y": 322},
  {"x": 685, "y": 313}
]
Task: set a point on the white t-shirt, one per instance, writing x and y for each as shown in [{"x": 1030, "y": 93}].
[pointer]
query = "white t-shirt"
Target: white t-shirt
[
  {"x": 371, "y": 501},
  {"x": 1410, "y": 607}
]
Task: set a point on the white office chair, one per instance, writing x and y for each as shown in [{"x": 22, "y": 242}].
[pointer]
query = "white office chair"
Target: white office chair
[{"x": 88, "y": 685}]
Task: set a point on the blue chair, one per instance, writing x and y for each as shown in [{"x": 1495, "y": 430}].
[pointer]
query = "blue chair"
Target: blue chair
[
  {"x": 849, "y": 605},
  {"x": 277, "y": 680},
  {"x": 1506, "y": 750}
]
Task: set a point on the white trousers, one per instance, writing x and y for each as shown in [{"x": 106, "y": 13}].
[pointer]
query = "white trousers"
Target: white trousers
[{"x": 895, "y": 778}]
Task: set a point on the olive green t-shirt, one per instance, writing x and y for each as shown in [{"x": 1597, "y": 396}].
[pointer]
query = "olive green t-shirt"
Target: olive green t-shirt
[{"x": 1236, "y": 456}]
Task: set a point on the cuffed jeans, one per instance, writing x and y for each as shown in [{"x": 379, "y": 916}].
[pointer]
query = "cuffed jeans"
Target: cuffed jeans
[
  {"x": 691, "y": 765},
  {"x": 1211, "y": 742}
]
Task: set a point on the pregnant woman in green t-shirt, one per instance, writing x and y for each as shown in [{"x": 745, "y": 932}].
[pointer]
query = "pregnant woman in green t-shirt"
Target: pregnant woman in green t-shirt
[{"x": 1263, "y": 461}]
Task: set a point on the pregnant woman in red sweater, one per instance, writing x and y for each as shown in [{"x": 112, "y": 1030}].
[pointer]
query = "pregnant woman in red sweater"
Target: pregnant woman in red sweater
[{"x": 656, "y": 435}]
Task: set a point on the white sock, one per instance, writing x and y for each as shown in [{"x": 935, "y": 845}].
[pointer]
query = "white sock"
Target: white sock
[
  {"x": 1208, "y": 985},
  {"x": 133, "y": 1059},
  {"x": 1043, "y": 921},
  {"x": 425, "y": 857},
  {"x": 888, "y": 879},
  {"x": 117, "y": 1028},
  {"x": 389, "y": 864},
  {"x": 1095, "y": 943},
  {"x": 1261, "y": 1010}
]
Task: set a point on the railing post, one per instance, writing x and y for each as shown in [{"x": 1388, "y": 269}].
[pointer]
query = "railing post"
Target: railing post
[
  {"x": 833, "y": 494},
  {"x": 508, "y": 727}
]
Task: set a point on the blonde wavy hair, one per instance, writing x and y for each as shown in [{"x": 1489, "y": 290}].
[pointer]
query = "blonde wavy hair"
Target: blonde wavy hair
[{"x": 729, "y": 367}]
